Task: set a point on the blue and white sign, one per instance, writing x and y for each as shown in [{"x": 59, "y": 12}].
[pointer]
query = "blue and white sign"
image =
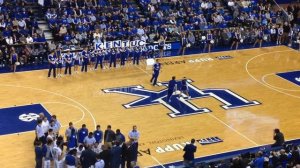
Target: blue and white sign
[
  {"x": 181, "y": 105},
  {"x": 20, "y": 118}
]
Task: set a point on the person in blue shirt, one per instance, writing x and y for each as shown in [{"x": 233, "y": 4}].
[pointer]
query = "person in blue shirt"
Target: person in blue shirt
[
  {"x": 92, "y": 59},
  {"x": 113, "y": 58},
  {"x": 184, "y": 87},
  {"x": 115, "y": 155},
  {"x": 98, "y": 134},
  {"x": 72, "y": 140},
  {"x": 76, "y": 61},
  {"x": 107, "y": 54},
  {"x": 136, "y": 56},
  {"x": 259, "y": 160},
  {"x": 52, "y": 64},
  {"x": 124, "y": 54},
  {"x": 68, "y": 61},
  {"x": 188, "y": 157},
  {"x": 171, "y": 88},
  {"x": 156, "y": 70},
  {"x": 70, "y": 159},
  {"x": 14, "y": 60},
  {"x": 100, "y": 55},
  {"x": 210, "y": 41},
  {"x": 38, "y": 155},
  {"x": 82, "y": 133},
  {"x": 119, "y": 136},
  {"x": 85, "y": 59},
  {"x": 59, "y": 65}
]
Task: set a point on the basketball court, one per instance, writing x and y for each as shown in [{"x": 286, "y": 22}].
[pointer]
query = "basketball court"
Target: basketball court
[{"x": 237, "y": 97}]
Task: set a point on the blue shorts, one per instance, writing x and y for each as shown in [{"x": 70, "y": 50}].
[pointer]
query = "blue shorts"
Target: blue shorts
[
  {"x": 76, "y": 62},
  {"x": 93, "y": 59},
  {"x": 59, "y": 65}
]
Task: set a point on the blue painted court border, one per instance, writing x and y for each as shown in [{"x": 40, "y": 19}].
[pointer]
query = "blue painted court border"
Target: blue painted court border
[
  {"x": 229, "y": 155},
  {"x": 290, "y": 76}
]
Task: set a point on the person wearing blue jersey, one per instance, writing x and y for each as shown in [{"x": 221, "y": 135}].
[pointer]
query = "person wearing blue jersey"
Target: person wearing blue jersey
[
  {"x": 171, "y": 88},
  {"x": 82, "y": 133},
  {"x": 100, "y": 56},
  {"x": 156, "y": 70},
  {"x": 113, "y": 58},
  {"x": 92, "y": 59},
  {"x": 107, "y": 54},
  {"x": 52, "y": 64},
  {"x": 70, "y": 159},
  {"x": 76, "y": 59},
  {"x": 68, "y": 62},
  {"x": 184, "y": 87},
  {"x": 259, "y": 37},
  {"x": 85, "y": 59},
  {"x": 13, "y": 60},
  {"x": 72, "y": 140},
  {"x": 136, "y": 56},
  {"x": 124, "y": 55},
  {"x": 59, "y": 65},
  {"x": 98, "y": 134},
  {"x": 236, "y": 39},
  {"x": 118, "y": 55},
  {"x": 209, "y": 41},
  {"x": 131, "y": 55}
]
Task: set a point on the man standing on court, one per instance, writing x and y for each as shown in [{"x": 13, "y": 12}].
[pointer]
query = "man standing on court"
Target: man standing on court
[
  {"x": 171, "y": 88},
  {"x": 188, "y": 157},
  {"x": 156, "y": 69},
  {"x": 52, "y": 59}
]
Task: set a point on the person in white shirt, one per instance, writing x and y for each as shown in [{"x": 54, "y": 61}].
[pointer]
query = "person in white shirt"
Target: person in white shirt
[
  {"x": 89, "y": 140},
  {"x": 45, "y": 126},
  {"x": 134, "y": 134},
  {"x": 57, "y": 157},
  {"x": 40, "y": 132},
  {"x": 29, "y": 39},
  {"x": 22, "y": 23},
  {"x": 79, "y": 149},
  {"x": 100, "y": 162},
  {"x": 9, "y": 40}
]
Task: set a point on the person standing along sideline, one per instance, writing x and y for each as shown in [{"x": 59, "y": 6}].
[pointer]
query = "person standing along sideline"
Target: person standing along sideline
[
  {"x": 156, "y": 70},
  {"x": 161, "y": 45},
  {"x": 59, "y": 65},
  {"x": 100, "y": 56},
  {"x": 38, "y": 155},
  {"x": 76, "y": 61},
  {"x": 188, "y": 157},
  {"x": 98, "y": 134},
  {"x": 171, "y": 88},
  {"x": 14, "y": 60},
  {"x": 52, "y": 64},
  {"x": 85, "y": 59},
  {"x": 109, "y": 136},
  {"x": 68, "y": 61}
]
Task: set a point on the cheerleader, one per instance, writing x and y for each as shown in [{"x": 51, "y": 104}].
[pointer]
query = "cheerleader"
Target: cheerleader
[
  {"x": 52, "y": 64},
  {"x": 124, "y": 54},
  {"x": 184, "y": 43},
  {"x": 280, "y": 34},
  {"x": 259, "y": 37},
  {"x": 13, "y": 60},
  {"x": 68, "y": 62},
  {"x": 161, "y": 45},
  {"x": 92, "y": 59},
  {"x": 236, "y": 39},
  {"x": 85, "y": 59},
  {"x": 106, "y": 57},
  {"x": 184, "y": 87},
  {"x": 59, "y": 65},
  {"x": 100, "y": 56},
  {"x": 76, "y": 61},
  {"x": 209, "y": 41},
  {"x": 113, "y": 58}
]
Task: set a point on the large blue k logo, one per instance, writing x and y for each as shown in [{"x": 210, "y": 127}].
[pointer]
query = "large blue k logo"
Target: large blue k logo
[{"x": 180, "y": 104}]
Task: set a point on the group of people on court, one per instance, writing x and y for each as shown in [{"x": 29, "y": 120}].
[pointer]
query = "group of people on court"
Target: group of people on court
[
  {"x": 93, "y": 58},
  {"x": 172, "y": 85},
  {"x": 98, "y": 149}
]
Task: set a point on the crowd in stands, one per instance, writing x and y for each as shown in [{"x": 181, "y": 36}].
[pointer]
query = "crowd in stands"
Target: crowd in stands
[
  {"x": 196, "y": 23},
  {"x": 82, "y": 147},
  {"x": 19, "y": 33}
]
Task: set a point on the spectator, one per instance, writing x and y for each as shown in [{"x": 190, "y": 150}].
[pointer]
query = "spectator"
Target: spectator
[
  {"x": 278, "y": 137},
  {"x": 188, "y": 157}
]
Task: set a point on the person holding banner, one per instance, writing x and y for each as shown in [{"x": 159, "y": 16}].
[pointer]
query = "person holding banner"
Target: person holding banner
[
  {"x": 68, "y": 61},
  {"x": 100, "y": 56},
  {"x": 113, "y": 58},
  {"x": 52, "y": 64},
  {"x": 84, "y": 59},
  {"x": 156, "y": 70}
]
